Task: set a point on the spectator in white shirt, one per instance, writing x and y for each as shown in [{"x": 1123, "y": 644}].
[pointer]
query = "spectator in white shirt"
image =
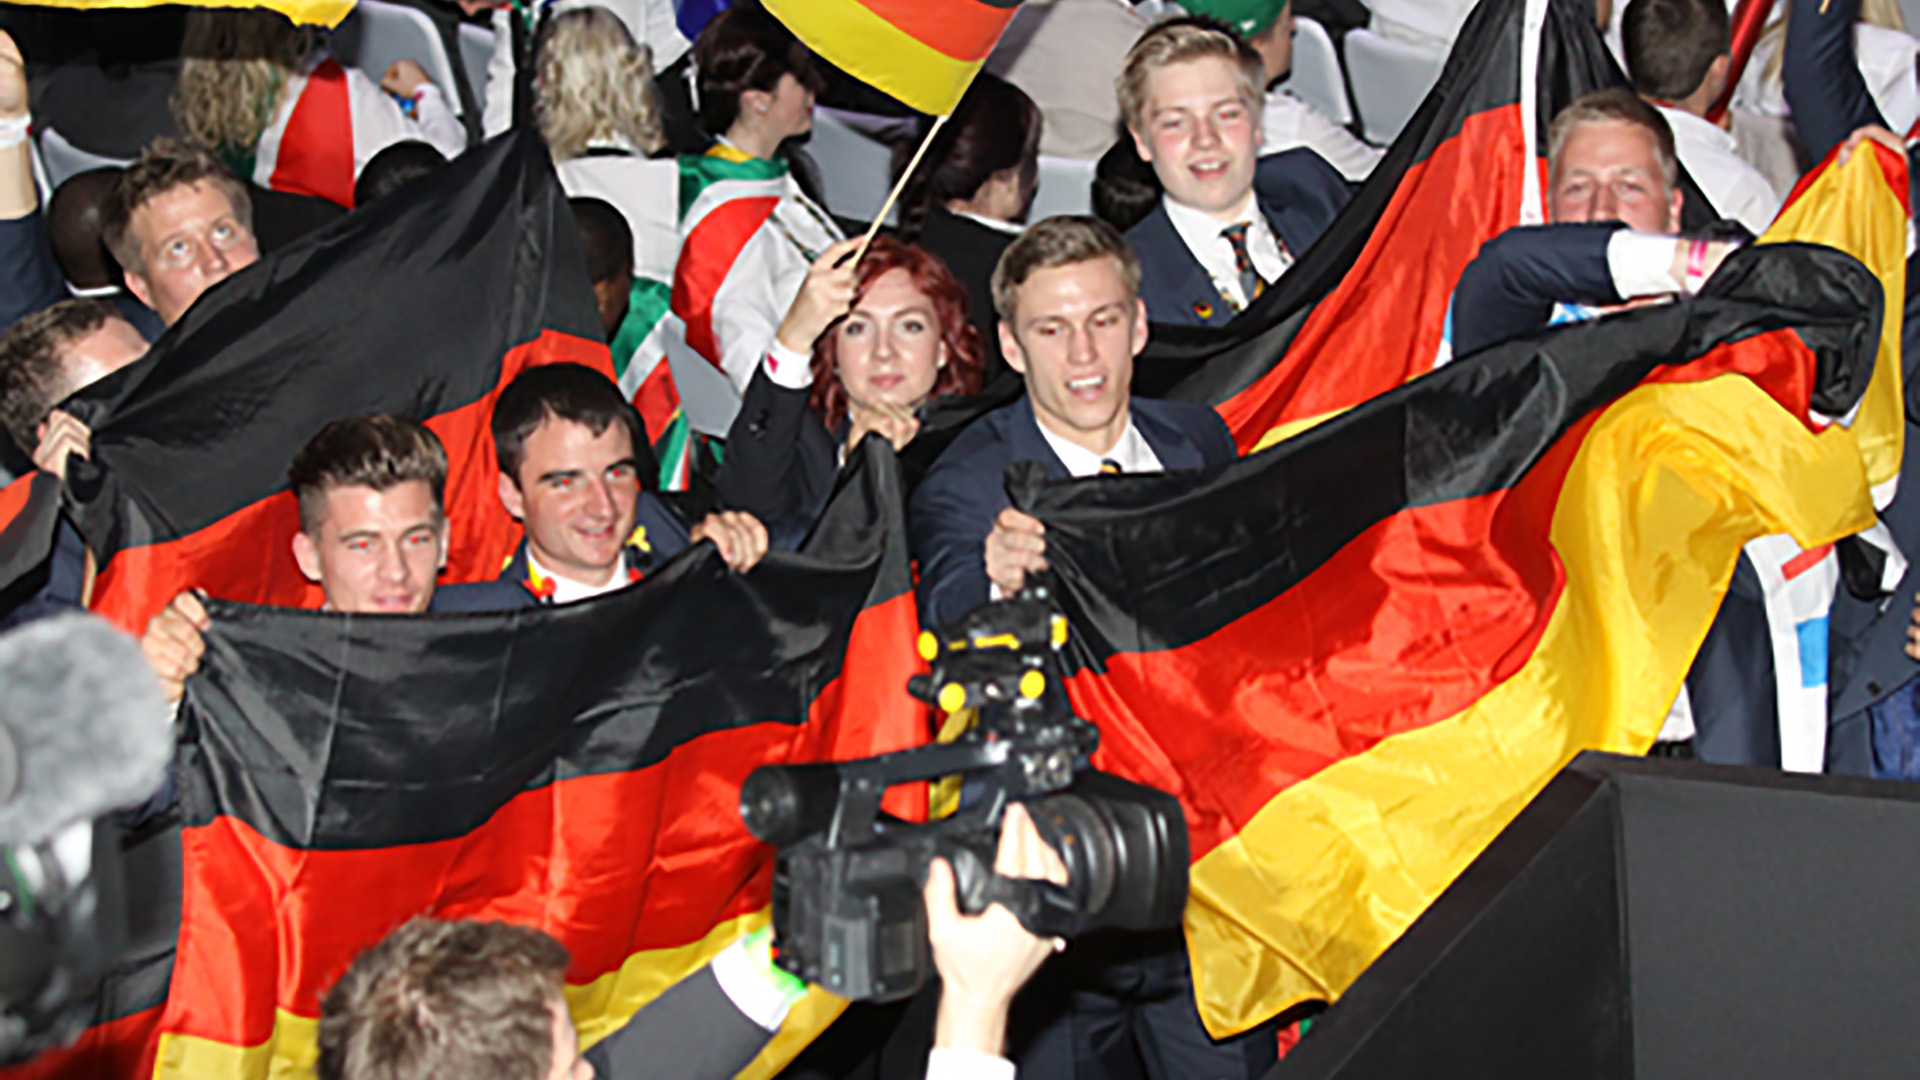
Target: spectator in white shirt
[
  {"x": 1678, "y": 57},
  {"x": 1285, "y": 120}
]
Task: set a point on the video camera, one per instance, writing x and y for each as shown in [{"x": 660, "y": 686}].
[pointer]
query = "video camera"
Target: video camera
[{"x": 847, "y": 906}]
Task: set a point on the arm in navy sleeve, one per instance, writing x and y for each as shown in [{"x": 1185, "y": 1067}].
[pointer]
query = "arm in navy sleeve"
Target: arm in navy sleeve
[
  {"x": 1825, "y": 89},
  {"x": 29, "y": 278},
  {"x": 1510, "y": 288}
]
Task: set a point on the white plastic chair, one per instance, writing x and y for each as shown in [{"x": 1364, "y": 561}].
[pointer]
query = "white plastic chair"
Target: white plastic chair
[
  {"x": 856, "y": 163},
  {"x": 375, "y": 34},
  {"x": 1390, "y": 80},
  {"x": 1910, "y": 14},
  {"x": 1316, "y": 77},
  {"x": 476, "y": 51},
  {"x": 63, "y": 159},
  {"x": 1066, "y": 187}
]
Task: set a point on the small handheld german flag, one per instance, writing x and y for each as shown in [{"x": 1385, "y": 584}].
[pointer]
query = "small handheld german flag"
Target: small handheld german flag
[{"x": 923, "y": 52}]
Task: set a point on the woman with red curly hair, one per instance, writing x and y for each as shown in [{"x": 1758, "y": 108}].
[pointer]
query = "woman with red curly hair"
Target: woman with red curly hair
[{"x": 885, "y": 338}]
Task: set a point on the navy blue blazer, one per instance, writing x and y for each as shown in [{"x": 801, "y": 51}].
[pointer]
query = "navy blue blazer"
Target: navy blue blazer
[
  {"x": 1510, "y": 288},
  {"x": 666, "y": 536},
  {"x": 781, "y": 460},
  {"x": 1300, "y": 195},
  {"x": 953, "y": 508}
]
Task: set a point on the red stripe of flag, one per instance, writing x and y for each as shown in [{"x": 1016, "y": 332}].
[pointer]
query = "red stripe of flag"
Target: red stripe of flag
[
  {"x": 705, "y": 258},
  {"x": 316, "y": 149},
  {"x": 963, "y": 29}
]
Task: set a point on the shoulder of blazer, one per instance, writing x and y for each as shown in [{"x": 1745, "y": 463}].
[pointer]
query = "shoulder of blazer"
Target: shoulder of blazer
[{"x": 1196, "y": 425}]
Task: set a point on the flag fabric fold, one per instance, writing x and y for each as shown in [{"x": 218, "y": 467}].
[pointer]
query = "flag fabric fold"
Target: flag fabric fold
[
  {"x": 1355, "y": 656},
  {"x": 923, "y": 52},
  {"x": 575, "y": 769},
  {"x": 425, "y": 306}
]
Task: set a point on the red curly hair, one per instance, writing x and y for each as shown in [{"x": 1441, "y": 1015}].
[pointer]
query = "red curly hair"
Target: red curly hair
[{"x": 965, "y": 358}]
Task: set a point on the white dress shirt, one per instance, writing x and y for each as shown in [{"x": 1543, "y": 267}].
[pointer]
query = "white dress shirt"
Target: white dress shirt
[
  {"x": 1736, "y": 189},
  {"x": 1130, "y": 452},
  {"x": 967, "y": 1065},
  {"x": 1287, "y": 122},
  {"x": 1202, "y": 231},
  {"x": 568, "y": 591}
]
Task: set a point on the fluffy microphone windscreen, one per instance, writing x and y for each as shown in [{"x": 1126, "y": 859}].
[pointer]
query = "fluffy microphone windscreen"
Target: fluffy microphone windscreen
[{"x": 87, "y": 727}]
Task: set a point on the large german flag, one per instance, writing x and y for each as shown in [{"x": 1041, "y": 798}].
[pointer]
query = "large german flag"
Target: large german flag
[
  {"x": 923, "y": 52},
  {"x": 576, "y": 769},
  {"x": 1364, "y": 310},
  {"x": 1355, "y": 656},
  {"x": 424, "y": 306}
]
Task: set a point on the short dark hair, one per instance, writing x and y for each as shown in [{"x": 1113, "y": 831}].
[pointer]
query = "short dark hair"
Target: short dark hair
[
  {"x": 379, "y": 451},
  {"x": 1670, "y": 44},
  {"x": 607, "y": 238},
  {"x": 33, "y": 378},
  {"x": 442, "y": 999},
  {"x": 394, "y": 168},
  {"x": 164, "y": 165},
  {"x": 571, "y": 392},
  {"x": 1060, "y": 241},
  {"x": 1125, "y": 188},
  {"x": 75, "y": 225},
  {"x": 744, "y": 48},
  {"x": 1616, "y": 105},
  {"x": 996, "y": 127}
]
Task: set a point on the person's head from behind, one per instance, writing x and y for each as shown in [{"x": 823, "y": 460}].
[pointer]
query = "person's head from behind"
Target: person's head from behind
[
  {"x": 234, "y": 65},
  {"x": 1267, "y": 25},
  {"x": 754, "y": 77},
  {"x": 1610, "y": 157},
  {"x": 595, "y": 85},
  {"x": 75, "y": 225},
  {"x": 394, "y": 168},
  {"x": 607, "y": 240},
  {"x": 1125, "y": 190},
  {"x": 566, "y": 438},
  {"x": 1678, "y": 51},
  {"x": 1190, "y": 94},
  {"x": 474, "y": 1000},
  {"x": 373, "y": 527},
  {"x": 905, "y": 340},
  {"x": 986, "y": 160},
  {"x": 1071, "y": 321},
  {"x": 54, "y": 352},
  {"x": 178, "y": 223}
]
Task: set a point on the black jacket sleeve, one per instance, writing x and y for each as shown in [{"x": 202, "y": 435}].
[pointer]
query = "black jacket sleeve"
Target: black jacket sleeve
[
  {"x": 691, "y": 1032},
  {"x": 780, "y": 462},
  {"x": 1510, "y": 288},
  {"x": 1825, "y": 89}
]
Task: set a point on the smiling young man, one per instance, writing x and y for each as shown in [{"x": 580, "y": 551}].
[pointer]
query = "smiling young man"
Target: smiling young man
[
  {"x": 1191, "y": 94},
  {"x": 570, "y": 448},
  {"x": 1071, "y": 322}
]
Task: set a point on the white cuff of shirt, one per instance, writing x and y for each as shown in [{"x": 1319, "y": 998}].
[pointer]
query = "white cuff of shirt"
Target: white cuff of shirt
[
  {"x": 1642, "y": 264},
  {"x": 741, "y": 980},
  {"x": 788, "y": 368},
  {"x": 967, "y": 1065}
]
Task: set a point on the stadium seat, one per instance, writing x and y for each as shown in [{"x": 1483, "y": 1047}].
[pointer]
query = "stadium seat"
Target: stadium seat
[
  {"x": 63, "y": 159},
  {"x": 1316, "y": 77},
  {"x": 855, "y": 158},
  {"x": 476, "y": 51},
  {"x": 375, "y": 34},
  {"x": 1390, "y": 80},
  {"x": 1066, "y": 187}
]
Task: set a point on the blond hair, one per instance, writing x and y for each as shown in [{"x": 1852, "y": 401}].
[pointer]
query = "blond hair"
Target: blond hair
[
  {"x": 237, "y": 65},
  {"x": 1179, "y": 41},
  {"x": 595, "y": 83},
  {"x": 1614, "y": 105},
  {"x": 1065, "y": 240}
]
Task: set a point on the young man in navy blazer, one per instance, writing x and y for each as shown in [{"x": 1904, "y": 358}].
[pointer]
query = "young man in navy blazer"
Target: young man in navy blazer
[
  {"x": 1230, "y": 222},
  {"x": 1071, "y": 322}
]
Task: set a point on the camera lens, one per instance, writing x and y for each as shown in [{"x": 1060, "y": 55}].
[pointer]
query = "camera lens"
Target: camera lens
[{"x": 782, "y": 804}]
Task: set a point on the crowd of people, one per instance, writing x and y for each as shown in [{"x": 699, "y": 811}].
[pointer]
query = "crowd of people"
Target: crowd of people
[{"x": 702, "y": 219}]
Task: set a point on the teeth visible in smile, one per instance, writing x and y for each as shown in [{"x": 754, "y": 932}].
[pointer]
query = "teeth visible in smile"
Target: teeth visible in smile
[{"x": 1087, "y": 382}]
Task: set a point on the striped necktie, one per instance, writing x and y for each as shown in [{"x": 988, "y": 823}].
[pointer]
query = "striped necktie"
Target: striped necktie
[
  {"x": 1251, "y": 283},
  {"x": 1110, "y": 467}
]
